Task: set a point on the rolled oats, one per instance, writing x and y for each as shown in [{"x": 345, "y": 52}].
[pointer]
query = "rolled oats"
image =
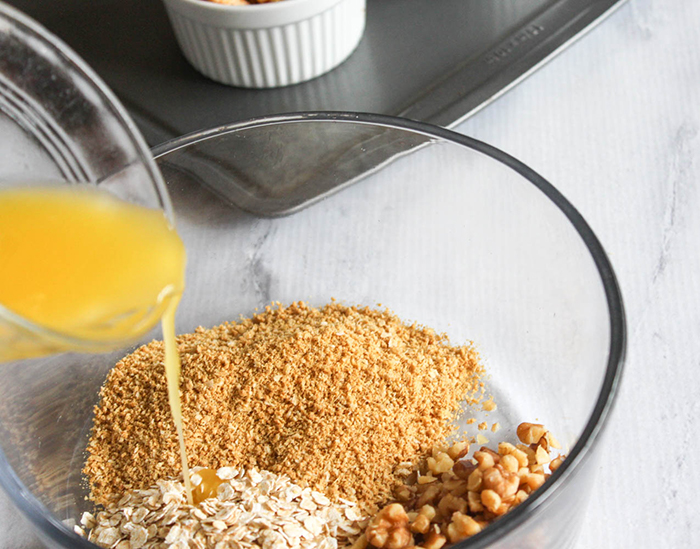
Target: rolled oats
[{"x": 261, "y": 510}]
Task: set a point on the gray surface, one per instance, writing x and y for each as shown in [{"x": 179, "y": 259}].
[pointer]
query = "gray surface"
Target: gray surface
[{"x": 434, "y": 61}]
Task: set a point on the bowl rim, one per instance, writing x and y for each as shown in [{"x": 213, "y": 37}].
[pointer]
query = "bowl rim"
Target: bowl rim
[{"x": 598, "y": 419}]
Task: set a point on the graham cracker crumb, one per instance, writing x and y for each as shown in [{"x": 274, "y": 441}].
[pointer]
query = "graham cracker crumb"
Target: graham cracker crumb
[
  {"x": 336, "y": 398},
  {"x": 489, "y": 405}
]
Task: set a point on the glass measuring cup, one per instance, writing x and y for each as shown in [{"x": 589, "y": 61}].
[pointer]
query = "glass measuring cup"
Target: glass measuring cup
[{"x": 61, "y": 125}]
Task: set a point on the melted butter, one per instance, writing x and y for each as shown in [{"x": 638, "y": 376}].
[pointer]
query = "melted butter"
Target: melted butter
[
  {"x": 208, "y": 487},
  {"x": 92, "y": 272},
  {"x": 172, "y": 375},
  {"x": 91, "y": 269}
]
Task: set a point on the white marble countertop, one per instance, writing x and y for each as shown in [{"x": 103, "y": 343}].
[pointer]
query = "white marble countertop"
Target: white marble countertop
[{"x": 614, "y": 124}]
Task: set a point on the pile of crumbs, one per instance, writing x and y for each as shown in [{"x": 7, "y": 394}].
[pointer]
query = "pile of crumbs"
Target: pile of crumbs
[
  {"x": 251, "y": 510},
  {"x": 338, "y": 398}
]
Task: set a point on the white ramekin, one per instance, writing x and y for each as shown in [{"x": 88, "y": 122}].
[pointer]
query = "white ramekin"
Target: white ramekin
[{"x": 266, "y": 45}]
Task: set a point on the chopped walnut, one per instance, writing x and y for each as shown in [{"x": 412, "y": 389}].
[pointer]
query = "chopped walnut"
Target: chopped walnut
[
  {"x": 462, "y": 527},
  {"x": 452, "y": 498},
  {"x": 485, "y": 459},
  {"x": 389, "y": 528},
  {"x": 502, "y": 482},
  {"x": 440, "y": 464},
  {"x": 458, "y": 450},
  {"x": 530, "y": 433},
  {"x": 434, "y": 540},
  {"x": 555, "y": 463}
]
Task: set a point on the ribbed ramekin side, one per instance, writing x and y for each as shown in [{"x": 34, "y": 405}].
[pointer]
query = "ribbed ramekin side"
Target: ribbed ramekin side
[{"x": 274, "y": 56}]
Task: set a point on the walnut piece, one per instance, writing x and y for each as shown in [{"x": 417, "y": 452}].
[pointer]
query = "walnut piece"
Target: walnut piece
[
  {"x": 450, "y": 497},
  {"x": 389, "y": 528}
]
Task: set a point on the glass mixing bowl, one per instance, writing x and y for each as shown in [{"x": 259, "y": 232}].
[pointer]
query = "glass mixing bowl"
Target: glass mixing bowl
[{"x": 442, "y": 229}]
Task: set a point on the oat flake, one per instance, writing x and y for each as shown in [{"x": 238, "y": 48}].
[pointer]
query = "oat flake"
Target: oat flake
[{"x": 241, "y": 521}]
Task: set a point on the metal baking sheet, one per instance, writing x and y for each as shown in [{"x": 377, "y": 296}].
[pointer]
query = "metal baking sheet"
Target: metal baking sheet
[{"x": 436, "y": 61}]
